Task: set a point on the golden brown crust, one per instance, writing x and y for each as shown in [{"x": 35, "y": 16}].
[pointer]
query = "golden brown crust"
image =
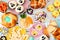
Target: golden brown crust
[{"x": 12, "y": 22}]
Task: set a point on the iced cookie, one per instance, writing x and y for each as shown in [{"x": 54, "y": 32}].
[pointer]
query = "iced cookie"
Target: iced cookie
[
  {"x": 3, "y": 6},
  {"x": 43, "y": 37},
  {"x": 12, "y": 4},
  {"x": 26, "y": 22},
  {"x": 9, "y": 19},
  {"x": 55, "y": 13},
  {"x": 50, "y": 7}
]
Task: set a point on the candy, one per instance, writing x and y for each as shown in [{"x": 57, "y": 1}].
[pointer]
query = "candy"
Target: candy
[{"x": 31, "y": 38}]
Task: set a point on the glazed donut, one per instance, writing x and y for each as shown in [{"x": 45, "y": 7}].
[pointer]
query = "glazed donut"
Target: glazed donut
[
  {"x": 20, "y": 2},
  {"x": 19, "y": 8},
  {"x": 9, "y": 19},
  {"x": 3, "y": 6},
  {"x": 12, "y": 4}
]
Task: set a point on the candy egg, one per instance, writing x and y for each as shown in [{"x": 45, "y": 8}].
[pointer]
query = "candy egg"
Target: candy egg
[
  {"x": 19, "y": 8},
  {"x": 20, "y": 2},
  {"x": 12, "y": 4},
  {"x": 43, "y": 37},
  {"x": 29, "y": 11}
]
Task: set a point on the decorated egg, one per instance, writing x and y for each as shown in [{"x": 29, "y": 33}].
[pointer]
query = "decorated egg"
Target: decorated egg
[{"x": 12, "y": 4}]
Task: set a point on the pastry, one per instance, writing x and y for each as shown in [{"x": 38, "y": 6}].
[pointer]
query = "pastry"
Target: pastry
[
  {"x": 19, "y": 8},
  {"x": 3, "y": 6},
  {"x": 57, "y": 4},
  {"x": 12, "y": 4},
  {"x": 9, "y": 19},
  {"x": 36, "y": 29},
  {"x": 20, "y": 2},
  {"x": 34, "y": 4},
  {"x": 55, "y": 13},
  {"x": 43, "y": 37},
  {"x": 30, "y": 11},
  {"x": 26, "y": 22},
  {"x": 50, "y": 7},
  {"x": 42, "y": 3},
  {"x": 38, "y": 4}
]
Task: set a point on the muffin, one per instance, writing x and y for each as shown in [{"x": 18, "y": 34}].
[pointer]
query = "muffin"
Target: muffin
[{"x": 9, "y": 19}]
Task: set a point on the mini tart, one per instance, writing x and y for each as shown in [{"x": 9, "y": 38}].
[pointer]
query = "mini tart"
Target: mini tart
[
  {"x": 55, "y": 13},
  {"x": 50, "y": 8},
  {"x": 12, "y": 4},
  {"x": 57, "y": 4},
  {"x": 20, "y": 2},
  {"x": 9, "y": 19},
  {"x": 3, "y": 6},
  {"x": 26, "y": 22}
]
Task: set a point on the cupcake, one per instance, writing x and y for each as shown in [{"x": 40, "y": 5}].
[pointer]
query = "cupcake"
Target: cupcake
[
  {"x": 57, "y": 4},
  {"x": 55, "y": 13},
  {"x": 9, "y": 19},
  {"x": 50, "y": 8}
]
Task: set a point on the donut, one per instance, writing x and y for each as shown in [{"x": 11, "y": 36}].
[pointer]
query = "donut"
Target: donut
[
  {"x": 20, "y": 2},
  {"x": 55, "y": 13},
  {"x": 50, "y": 8},
  {"x": 26, "y": 22},
  {"x": 19, "y": 8},
  {"x": 3, "y": 6},
  {"x": 9, "y": 19},
  {"x": 43, "y": 37},
  {"x": 12, "y": 4},
  {"x": 36, "y": 30}
]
